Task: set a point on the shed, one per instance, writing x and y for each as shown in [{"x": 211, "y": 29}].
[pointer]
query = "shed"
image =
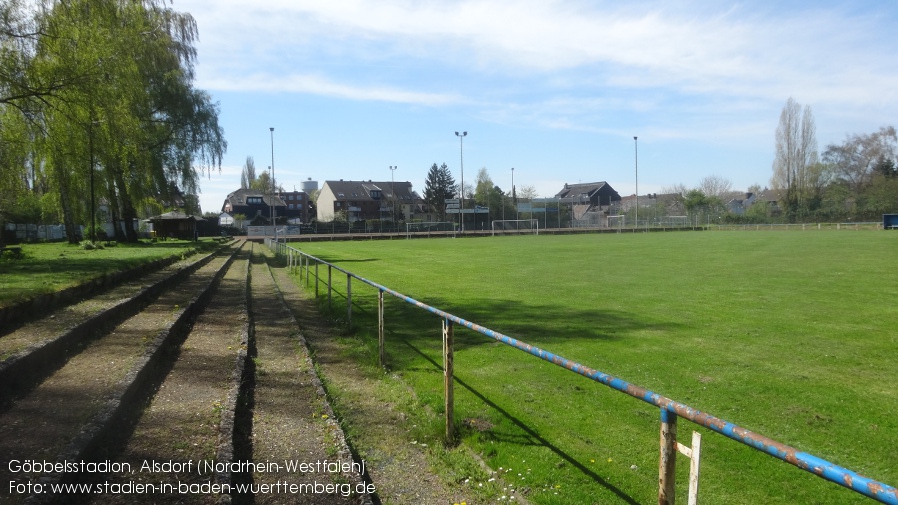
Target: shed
[
  {"x": 175, "y": 224},
  {"x": 890, "y": 221}
]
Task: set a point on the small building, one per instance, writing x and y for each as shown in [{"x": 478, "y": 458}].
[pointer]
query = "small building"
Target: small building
[
  {"x": 175, "y": 224},
  {"x": 890, "y": 221}
]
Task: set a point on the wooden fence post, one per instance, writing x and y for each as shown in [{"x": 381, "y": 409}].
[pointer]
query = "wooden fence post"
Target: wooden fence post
[
  {"x": 448, "y": 380},
  {"x": 667, "y": 462},
  {"x": 694, "y": 454}
]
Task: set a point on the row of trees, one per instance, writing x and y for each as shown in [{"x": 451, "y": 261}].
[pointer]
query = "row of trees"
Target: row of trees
[
  {"x": 97, "y": 104},
  {"x": 856, "y": 179},
  {"x": 440, "y": 186},
  {"x": 853, "y": 180}
]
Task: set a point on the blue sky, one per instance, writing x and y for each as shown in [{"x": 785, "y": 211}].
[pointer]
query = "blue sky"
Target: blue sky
[{"x": 556, "y": 89}]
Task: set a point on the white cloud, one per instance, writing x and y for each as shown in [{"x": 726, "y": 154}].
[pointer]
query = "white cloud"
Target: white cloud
[
  {"x": 735, "y": 51},
  {"x": 323, "y": 86}
]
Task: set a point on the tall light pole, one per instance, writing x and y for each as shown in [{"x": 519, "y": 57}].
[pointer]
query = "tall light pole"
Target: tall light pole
[
  {"x": 461, "y": 139},
  {"x": 636, "y": 158},
  {"x": 393, "y": 190},
  {"x": 273, "y": 209},
  {"x": 514, "y": 195}
]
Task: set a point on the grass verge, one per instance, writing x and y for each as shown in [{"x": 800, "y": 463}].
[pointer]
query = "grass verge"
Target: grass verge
[{"x": 50, "y": 267}]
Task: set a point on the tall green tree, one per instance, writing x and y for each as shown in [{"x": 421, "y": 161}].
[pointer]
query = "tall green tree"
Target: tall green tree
[
  {"x": 248, "y": 176},
  {"x": 797, "y": 176},
  {"x": 106, "y": 89},
  {"x": 487, "y": 194},
  {"x": 438, "y": 187},
  {"x": 856, "y": 160}
]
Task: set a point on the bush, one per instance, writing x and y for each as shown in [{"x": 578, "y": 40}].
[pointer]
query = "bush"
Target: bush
[{"x": 87, "y": 245}]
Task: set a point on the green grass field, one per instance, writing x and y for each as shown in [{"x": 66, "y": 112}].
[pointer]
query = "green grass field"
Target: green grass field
[
  {"x": 49, "y": 267},
  {"x": 789, "y": 334}
]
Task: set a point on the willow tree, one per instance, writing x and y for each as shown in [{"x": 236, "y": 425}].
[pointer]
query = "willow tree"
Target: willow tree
[{"x": 124, "y": 124}]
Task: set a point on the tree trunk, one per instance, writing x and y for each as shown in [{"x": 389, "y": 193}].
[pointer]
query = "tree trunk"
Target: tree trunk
[
  {"x": 129, "y": 214},
  {"x": 73, "y": 234}
]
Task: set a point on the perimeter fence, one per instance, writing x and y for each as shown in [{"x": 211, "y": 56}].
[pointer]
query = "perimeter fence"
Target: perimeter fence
[
  {"x": 307, "y": 266},
  {"x": 799, "y": 226}
]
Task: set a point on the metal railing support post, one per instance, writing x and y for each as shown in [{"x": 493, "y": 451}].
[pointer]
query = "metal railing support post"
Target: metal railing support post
[
  {"x": 380, "y": 328},
  {"x": 348, "y": 300},
  {"x": 448, "y": 379},
  {"x": 667, "y": 461},
  {"x": 316, "y": 280},
  {"x": 330, "y": 305}
]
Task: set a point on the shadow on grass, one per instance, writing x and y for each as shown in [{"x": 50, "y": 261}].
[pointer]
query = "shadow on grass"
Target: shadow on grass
[
  {"x": 419, "y": 330},
  {"x": 335, "y": 260},
  {"x": 533, "y": 434}
]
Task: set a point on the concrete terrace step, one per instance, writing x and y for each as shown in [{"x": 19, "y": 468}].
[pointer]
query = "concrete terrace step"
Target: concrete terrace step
[
  {"x": 30, "y": 352},
  {"x": 71, "y": 411}
]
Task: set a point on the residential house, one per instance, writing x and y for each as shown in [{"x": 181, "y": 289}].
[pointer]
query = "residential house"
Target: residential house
[
  {"x": 299, "y": 206},
  {"x": 595, "y": 194},
  {"x": 367, "y": 200},
  {"x": 740, "y": 203},
  {"x": 770, "y": 198},
  {"x": 289, "y": 206},
  {"x": 590, "y": 202}
]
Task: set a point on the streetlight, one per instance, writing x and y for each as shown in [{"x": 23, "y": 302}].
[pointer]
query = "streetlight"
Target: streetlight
[
  {"x": 514, "y": 195},
  {"x": 273, "y": 209},
  {"x": 461, "y": 139},
  {"x": 636, "y": 153},
  {"x": 393, "y": 190}
]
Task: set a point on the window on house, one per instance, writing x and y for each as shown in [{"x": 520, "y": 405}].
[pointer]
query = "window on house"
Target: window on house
[
  {"x": 290, "y": 206},
  {"x": 254, "y": 200}
]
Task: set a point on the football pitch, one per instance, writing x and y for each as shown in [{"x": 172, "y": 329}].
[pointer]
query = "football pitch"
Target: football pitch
[{"x": 792, "y": 335}]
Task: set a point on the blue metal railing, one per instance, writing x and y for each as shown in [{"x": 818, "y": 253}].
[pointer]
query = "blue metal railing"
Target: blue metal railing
[{"x": 805, "y": 461}]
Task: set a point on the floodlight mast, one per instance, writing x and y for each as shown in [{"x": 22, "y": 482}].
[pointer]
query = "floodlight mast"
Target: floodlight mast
[
  {"x": 393, "y": 190},
  {"x": 636, "y": 160},
  {"x": 273, "y": 189},
  {"x": 461, "y": 210}
]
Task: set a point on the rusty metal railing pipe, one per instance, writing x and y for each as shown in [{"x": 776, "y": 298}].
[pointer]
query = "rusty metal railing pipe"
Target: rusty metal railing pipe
[{"x": 808, "y": 462}]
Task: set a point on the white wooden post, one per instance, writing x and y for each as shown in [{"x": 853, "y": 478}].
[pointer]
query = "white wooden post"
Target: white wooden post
[{"x": 694, "y": 454}]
